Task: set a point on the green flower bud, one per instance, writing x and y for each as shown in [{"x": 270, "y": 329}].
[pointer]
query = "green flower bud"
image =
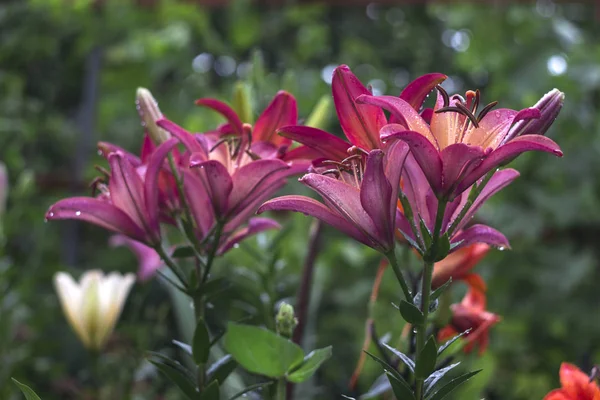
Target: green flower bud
[
  {"x": 150, "y": 113},
  {"x": 286, "y": 321}
]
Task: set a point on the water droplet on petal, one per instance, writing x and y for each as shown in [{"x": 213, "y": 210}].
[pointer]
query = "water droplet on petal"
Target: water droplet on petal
[
  {"x": 78, "y": 213},
  {"x": 501, "y": 248}
]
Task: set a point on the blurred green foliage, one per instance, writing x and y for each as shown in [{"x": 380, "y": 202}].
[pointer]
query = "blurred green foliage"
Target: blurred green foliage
[{"x": 68, "y": 75}]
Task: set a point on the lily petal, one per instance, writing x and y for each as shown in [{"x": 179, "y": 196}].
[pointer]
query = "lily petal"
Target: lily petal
[
  {"x": 395, "y": 157},
  {"x": 255, "y": 225},
  {"x": 480, "y": 234},
  {"x": 127, "y": 190},
  {"x": 346, "y": 201},
  {"x": 105, "y": 149},
  {"x": 417, "y": 91},
  {"x": 497, "y": 182},
  {"x": 148, "y": 259},
  {"x": 312, "y": 207},
  {"x": 97, "y": 212},
  {"x": 225, "y": 110},
  {"x": 327, "y": 144},
  {"x": 375, "y": 197},
  {"x": 151, "y": 184},
  {"x": 405, "y": 114},
  {"x": 424, "y": 152},
  {"x": 185, "y": 137},
  {"x": 507, "y": 152},
  {"x": 549, "y": 106},
  {"x": 199, "y": 201},
  {"x": 282, "y": 111},
  {"x": 247, "y": 179},
  {"x": 360, "y": 122},
  {"x": 458, "y": 160},
  {"x": 219, "y": 183}
]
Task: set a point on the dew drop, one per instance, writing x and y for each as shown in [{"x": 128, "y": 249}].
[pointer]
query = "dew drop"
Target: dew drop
[
  {"x": 501, "y": 248},
  {"x": 78, "y": 213},
  {"x": 236, "y": 246}
]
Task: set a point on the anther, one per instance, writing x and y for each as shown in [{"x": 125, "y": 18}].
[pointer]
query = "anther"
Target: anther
[
  {"x": 486, "y": 110},
  {"x": 444, "y": 95}
]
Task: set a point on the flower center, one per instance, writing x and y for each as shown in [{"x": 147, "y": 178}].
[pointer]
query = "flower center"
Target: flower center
[{"x": 351, "y": 169}]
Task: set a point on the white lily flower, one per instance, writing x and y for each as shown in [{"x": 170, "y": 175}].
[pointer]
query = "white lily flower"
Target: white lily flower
[{"x": 93, "y": 305}]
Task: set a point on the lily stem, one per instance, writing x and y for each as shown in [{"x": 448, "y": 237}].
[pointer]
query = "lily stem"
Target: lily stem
[
  {"x": 172, "y": 265},
  {"x": 281, "y": 389},
  {"x": 391, "y": 256},
  {"x": 428, "y": 264}
]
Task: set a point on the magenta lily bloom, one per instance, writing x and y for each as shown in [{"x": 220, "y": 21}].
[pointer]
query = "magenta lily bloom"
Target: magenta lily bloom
[
  {"x": 128, "y": 205},
  {"x": 224, "y": 183},
  {"x": 424, "y": 205},
  {"x": 360, "y": 196},
  {"x": 456, "y": 148},
  {"x": 361, "y": 123},
  {"x": 265, "y": 143}
]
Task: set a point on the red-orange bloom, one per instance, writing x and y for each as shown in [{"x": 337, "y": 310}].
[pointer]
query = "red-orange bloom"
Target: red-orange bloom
[
  {"x": 471, "y": 314},
  {"x": 458, "y": 266},
  {"x": 575, "y": 385}
]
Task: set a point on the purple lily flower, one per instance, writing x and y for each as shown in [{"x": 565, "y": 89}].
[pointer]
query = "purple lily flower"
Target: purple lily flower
[
  {"x": 361, "y": 123},
  {"x": 129, "y": 204},
  {"x": 456, "y": 148},
  {"x": 360, "y": 196},
  {"x": 424, "y": 206}
]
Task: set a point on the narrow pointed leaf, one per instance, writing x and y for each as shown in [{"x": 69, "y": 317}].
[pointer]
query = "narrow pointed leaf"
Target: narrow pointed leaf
[
  {"x": 201, "y": 343},
  {"x": 221, "y": 369},
  {"x": 176, "y": 373},
  {"x": 434, "y": 378},
  {"x": 251, "y": 388},
  {"x": 453, "y": 384},
  {"x": 403, "y": 357},
  {"x": 449, "y": 342},
  {"x": 440, "y": 290},
  {"x": 211, "y": 392},
  {"x": 427, "y": 359},
  {"x": 310, "y": 365},
  {"x": 26, "y": 390},
  {"x": 410, "y": 313},
  {"x": 386, "y": 366},
  {"x": 401, "y": 389},
  {"x": 183, "y": 346}
]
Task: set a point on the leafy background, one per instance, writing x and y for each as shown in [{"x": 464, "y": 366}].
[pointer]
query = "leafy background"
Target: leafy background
[{"x": 68, "y": 74}]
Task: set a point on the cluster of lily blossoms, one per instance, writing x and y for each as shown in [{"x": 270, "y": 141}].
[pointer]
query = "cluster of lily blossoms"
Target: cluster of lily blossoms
[{"x": 405, "y": 175}]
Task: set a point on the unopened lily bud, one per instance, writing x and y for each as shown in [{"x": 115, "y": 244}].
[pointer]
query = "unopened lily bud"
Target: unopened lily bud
[
  {"x": 93, "y": 305},
  {"x": 320, "y": 114},
  {"x": 242, "y": 103},
  {"x": 150, "y": 113},
  {"x": 286, "y": 321},
  {"x": 549, "y": 106}
]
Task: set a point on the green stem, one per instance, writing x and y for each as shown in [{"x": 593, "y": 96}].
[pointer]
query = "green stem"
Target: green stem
[
  {"x": 281, "y": 389},
  {"x": 172, "y": 265},
  {"x": 391, "y": 256},
  {"x": 428, "y": 264},
  {"x": 213, "y": 250}
]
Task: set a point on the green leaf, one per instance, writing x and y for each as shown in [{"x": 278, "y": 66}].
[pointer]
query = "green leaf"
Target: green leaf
[
  {"x": 380, "y": 386},
  {"x": 250, "y": 388},
  {"x": 185, "y": 347},
  {"x": 201, "y": 343},
  {"x": 211, "y": 392},
  {"x": 221, "y": 369},
  {"x": 453, "y": 384},
  {"x": 261, "y": 351},
  {"x": 426, "y": 361},
  {"x": 176, "y": 373},
  {"x": 401, "y": 389},
  {"x": 386, "y": 366},
  {"x": 454, "y": 339},
  {"x": 442, "y": 248},
  {"x": 214, "y": 287},
  {"x": 27, "y": 391},
  {"x": 183, "y": 252},
  {"x": 440, "y": 290},
  {"x": 405, "y": 359},
  {"x": 311, "y": 363},
  {"x": 434, "y": 378},
  {"x": 411, "y": 313},
  {"x": 425, "y": 233}
]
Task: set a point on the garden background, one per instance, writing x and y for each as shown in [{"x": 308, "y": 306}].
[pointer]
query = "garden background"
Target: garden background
[{"x": 68, "y": 75}]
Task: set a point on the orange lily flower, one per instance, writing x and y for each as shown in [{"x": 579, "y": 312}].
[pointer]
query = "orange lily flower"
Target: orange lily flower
[
  {"x": 458, "y": 265},
  {"x": 575, "y": 385}
]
